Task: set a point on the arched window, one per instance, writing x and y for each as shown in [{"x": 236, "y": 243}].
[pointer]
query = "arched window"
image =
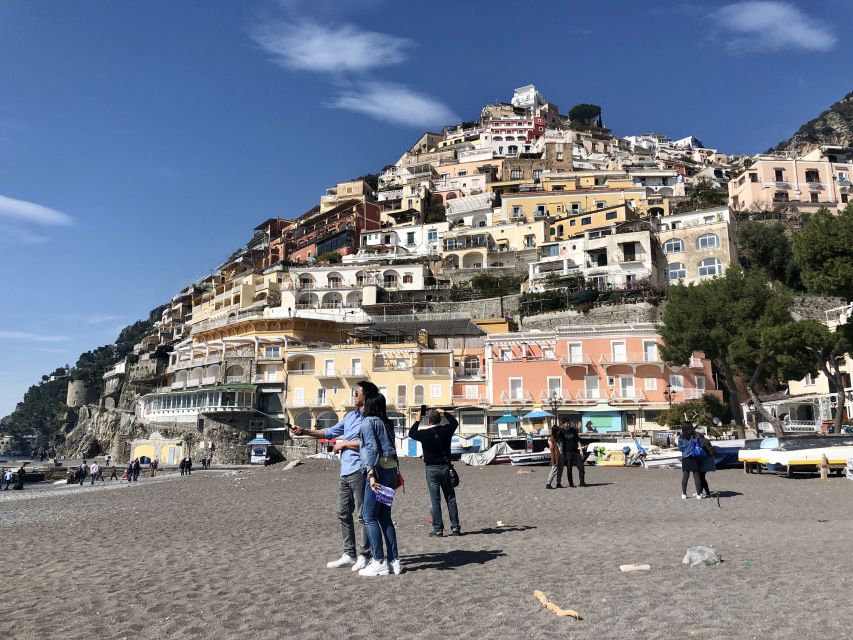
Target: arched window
[
  {"x": 710, "y": 267},
  {"x": 419, "y": 394},
  {"x": 234, "y": 373},
  {"x": 675, "y": 272},
  {"x": 708, "y": 241},
  {"x": 326, "y": 420},
  {"x": 675, "y": 245},
  {"x": 303, "y": 420}
]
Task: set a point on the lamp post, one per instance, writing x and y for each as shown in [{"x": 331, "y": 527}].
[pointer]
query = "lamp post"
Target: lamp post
[
  {"x": 668, "y": 393},
  {"x": 555, "y": 401}
]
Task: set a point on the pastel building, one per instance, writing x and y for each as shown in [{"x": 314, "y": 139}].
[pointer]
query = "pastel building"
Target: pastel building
[
  {"x": 611, "y": 376},
  {"x": 697, "y": 245}
]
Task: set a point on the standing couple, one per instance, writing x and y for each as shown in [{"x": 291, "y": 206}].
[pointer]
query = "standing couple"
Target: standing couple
[{"x": 365, "y": 439}]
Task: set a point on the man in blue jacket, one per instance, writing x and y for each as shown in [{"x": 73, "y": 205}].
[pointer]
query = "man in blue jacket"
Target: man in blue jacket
[
  {"x": 351, "y": 484},
  {"x": 435, "y": 442}
]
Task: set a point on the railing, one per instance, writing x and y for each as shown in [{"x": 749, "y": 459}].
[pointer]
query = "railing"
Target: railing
[
  {"x": 353, "y": 373},
  {"x": 696, "y": 363},
  {"x": 268, "y": 377},
  {"x": 464, "y": 399},
  {"x": 327, "y": 373},
  {"x": 635, "y": 357},
  {"x": 193, "y": 382},
  {"x": 508, "y": 397},
  {"x": 563, "y": 397},
  {"x": 817, "y": 186},
  {"x": 390, "y": 367},
  {"x": 241, "y": 315},
  {"x": 300, "y": 372},
  {"x": 401, "y": 401},
  {"x": 431, "y": 371},
  {"x": 180, "y": 384},
  {"x": 233, "y": 379},
  {"x": 588, "y": 395},
  {"x": 628, "y": 395},
  {"x": 570, "y": 361},
  {"x": 308, "y": 403},
  {"x": 801, "y": 426},
  {"x": 691, "y": 394},
  {"x": 208, "y": 380}
]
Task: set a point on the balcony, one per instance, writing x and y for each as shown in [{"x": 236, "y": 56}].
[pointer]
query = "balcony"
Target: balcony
[
  {"x": 193, "y": 382},
  {"x": 564, "y": 397},
  {"x": 431, "y": 372},
  {"x": 233, "y": 379},
  {"x": 268, "y": 377},
  {"x": 627, "y": 396},
  {"x": 309, "y": 403},
  {"x": 327, "y": 374},
  {"x": 353, "y": 373},
  {"x": 632, "y": 359},
  {"x": 180, "y": 384},
  {"x": 588, "y": 396},
  {"x": 464, "y": 399},
  {"x": 692, "y": 394},
  {"x": 300, "y": 372},
  {"x": 816, "y": 186},
  {"x": 517, "y": 396},
  {"x": 583, "y": 361},
  {"x": 208, "y": 380}
]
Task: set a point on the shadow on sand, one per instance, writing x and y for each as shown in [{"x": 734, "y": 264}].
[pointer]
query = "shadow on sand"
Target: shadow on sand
[
  {"x": 449, "y": 560},
  {"x": 487, "y": 531},
  {"x": 725, "y": 494}
]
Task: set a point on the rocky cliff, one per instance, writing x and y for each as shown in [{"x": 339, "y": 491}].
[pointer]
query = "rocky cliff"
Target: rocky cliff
[{"x": 833, "y": 126}]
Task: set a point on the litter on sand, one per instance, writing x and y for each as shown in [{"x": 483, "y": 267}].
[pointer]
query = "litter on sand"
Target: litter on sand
[
  {"x": 628, "y": 568},
  {"x": 557, "y": 611}
]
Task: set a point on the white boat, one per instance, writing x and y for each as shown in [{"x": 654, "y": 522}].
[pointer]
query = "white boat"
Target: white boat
[
  {"x": 808, "y": 460},
  {"x": 527, "y": 459},
  {"x": 663, "y": 458}
]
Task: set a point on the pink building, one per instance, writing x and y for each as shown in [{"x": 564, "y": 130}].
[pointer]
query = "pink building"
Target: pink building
[{"x": 609, "y": 375}]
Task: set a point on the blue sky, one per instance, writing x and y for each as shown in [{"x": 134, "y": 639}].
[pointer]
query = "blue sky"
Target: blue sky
[{"x": 140, "y": 142}]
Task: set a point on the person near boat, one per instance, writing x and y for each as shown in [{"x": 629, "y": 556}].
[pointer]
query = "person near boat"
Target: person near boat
[
  {"x": 697, "y": 458},
  {"x": 573, "y": 453},
  {"x": 555, "y": 446}
]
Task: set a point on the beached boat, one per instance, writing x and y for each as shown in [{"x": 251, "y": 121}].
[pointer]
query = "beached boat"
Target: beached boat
[
  {"x": 660, "y": 458},
  {"x": 790, "y": 454},
  {"x": 527, "y": 459}
]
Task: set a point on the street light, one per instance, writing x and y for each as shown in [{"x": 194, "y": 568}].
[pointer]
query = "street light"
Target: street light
[
  {"x": 668, "y": 393},
  {"x": 555, "y": 401}
]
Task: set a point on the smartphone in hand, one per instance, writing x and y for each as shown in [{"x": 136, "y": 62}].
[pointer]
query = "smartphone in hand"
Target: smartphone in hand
[{"x": 423, "y": 411}]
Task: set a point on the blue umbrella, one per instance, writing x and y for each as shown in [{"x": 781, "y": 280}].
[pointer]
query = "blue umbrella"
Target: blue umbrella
[
  {"x": 537, "y": 413},
  {"x": 506, "y": 419}
]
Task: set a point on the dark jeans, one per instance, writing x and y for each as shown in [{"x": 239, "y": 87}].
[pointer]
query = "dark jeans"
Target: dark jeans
[
  {"x": 575, "y": 459},
  {"x": 438, "y": 482},
  {"x": 699, "y": 481},
  {"x": 350, "y": 500},
  {"x": 377, "y": 518}
]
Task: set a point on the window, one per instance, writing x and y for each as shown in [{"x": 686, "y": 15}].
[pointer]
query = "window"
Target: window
[
  {"x": 611, "y": 215},
  {"x": 419, "y": 394},
  {"x": 530, "y": 241},
  {"x": 505, "y": 354},
  {"x": 410, "y": 239},
  {"x": 575, "y": 352},
  {"x": 591, "y": 387},
  {"x": 515, "y": 390},
  {"x": 843, "y": 197},
  {"x": 650, "y": 384},
  {"x": 808, "y": 380},
  {"x": 779, "y": 175},
  {"x": 515, "y": 174},
  {"x": 618, "y": 352},
  {"x": 708, "y": 241},
  {"x": 572, "y": 223},
  {"x": 600, "y": 205},
  {"x": 675, "y": 245},
  {"x": 401, "y": 395},
  {"x": 355, "y": 365},
  {"x": 555, "y": 387},
  {"x": 516, "y": 212},
  {"x": 700, "y": 383},
  {"x": 537, "y": 174},
  {"x": 472, "y": 392},
  {"x": 676, "y": 271},
  {"x": 462, "y": 174},
  {"x": 626, "y": 386},
  {"x": 432, "y": 235},
  {"x": 559, "y": 155},
  {"x": 576, "y": 207},
  {"x": 753, "y": 177},
  {"x": 586, "y": 220},
  {"x": 548, "y": 353},
  {"x": 272, "y": 353},
  {"x": 812, "y": 176},
  {"x": 407, "y": 278},
  {"x": 814, "y": 196},
  {"x": 329, "y": 367},
  {"x": 780, "y": 196},
  {"x": 710, "y": 267}
]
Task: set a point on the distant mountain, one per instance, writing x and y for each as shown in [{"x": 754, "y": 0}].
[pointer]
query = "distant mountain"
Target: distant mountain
[{"x": 833, "y": 126}]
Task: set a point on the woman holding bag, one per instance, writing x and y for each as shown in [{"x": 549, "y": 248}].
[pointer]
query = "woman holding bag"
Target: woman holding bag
[
  {"x": 379, "y": 459},
  {"x": 696, "y": 458}
]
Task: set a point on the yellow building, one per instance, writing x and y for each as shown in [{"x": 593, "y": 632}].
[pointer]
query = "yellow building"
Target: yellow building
[{"x": 222, "y": 297}]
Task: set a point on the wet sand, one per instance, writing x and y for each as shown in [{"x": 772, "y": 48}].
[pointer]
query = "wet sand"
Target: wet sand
[{"x": 242, "y": 555}]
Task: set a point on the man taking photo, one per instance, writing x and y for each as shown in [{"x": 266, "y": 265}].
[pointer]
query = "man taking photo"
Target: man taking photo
[
  {"x": 351, "y": 484},
  {"x": 435, "y": 442}
]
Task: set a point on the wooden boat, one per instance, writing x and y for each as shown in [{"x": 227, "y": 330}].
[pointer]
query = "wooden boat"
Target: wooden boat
[{"x": 786, "y": 454}]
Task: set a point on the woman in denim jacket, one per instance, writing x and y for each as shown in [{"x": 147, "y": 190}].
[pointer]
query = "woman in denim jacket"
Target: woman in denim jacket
[{"x": 379, "y": 458}]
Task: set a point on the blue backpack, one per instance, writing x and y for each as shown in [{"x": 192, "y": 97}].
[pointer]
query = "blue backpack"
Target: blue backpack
[{"x": 696, "y": 451}]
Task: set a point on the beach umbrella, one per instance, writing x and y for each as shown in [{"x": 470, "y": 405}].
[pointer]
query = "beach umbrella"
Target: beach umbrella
[{"x": 537, "y": 414}]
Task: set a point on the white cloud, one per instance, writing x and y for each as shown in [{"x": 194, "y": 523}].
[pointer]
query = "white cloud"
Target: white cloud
[
  {"x": 764, "y": 25},
  {"x": 310, "y": 46},
  {"x": 23, "y": 211},
  {"x": 396, "y": 104},
  {"x": 26, "y": 336}
]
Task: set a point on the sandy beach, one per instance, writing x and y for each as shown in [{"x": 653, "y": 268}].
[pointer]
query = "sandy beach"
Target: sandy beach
[{"x": 242, "y": 555}]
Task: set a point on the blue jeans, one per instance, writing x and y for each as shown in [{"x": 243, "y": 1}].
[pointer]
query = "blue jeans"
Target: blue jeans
[
  {"x": 438, "y": 482},
  {"x": 377, "y": 517}
]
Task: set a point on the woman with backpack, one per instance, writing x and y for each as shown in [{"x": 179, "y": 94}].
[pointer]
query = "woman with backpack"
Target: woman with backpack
[
  {"x": 379, "y": 459},
  {"x": 697, "y": 457}
]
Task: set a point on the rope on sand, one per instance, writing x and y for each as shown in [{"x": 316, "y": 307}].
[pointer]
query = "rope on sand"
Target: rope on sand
[{"x": 557, "y": 611}]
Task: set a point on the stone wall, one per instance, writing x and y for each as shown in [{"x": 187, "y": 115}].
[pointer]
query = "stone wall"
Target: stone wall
[
  {"x": 486, "y": 308},
  {"x": 814, "y": 306},
  {"x": 609, "y": 314}
]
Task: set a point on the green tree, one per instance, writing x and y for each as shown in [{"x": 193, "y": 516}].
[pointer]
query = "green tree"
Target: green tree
[
  {"x": 701, "y": 411},
  {"x": 436, "y": 213},
  {"x": 766, "y": 246},
  {"x": 731, "y": 320},
  {"x": 704, "y": 195},
  {"x": 824, "y": 251},
  {"x": 586, "y": 115}
]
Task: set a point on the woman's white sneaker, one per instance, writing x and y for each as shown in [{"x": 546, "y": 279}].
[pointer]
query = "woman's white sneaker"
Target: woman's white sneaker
[
  {"x": 395, "y": 567},
  {"x": 375, "y": 568},
  {"x": 345, "y": 560},
  {"x": 361, "y": 563}
]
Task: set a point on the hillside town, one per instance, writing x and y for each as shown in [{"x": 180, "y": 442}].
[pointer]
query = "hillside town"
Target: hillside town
[{"x": 501, "y": 264}]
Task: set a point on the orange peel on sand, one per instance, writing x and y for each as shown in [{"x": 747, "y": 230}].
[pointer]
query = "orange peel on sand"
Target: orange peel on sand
[{"x": 557, "y": 611}]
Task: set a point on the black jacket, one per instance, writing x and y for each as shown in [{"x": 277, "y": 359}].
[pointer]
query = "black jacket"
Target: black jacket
[{"x": 435, "y": 440}]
